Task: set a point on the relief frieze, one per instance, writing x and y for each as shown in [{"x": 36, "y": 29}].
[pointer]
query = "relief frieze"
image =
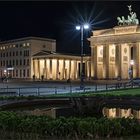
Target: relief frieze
[
  {"x": 125, "y": 58},
  {"x": 100, "y": 59},
  {"x": 125, "y": 30},
  {"x": 112, "y": 58},
  {"x": 116, "y": 39}
]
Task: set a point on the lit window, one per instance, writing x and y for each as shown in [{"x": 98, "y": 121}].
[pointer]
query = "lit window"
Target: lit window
[
  {"x": 24, "y": 44},
  {"x": 14, "y": 46},
  {"x": 28, "y": 44}
]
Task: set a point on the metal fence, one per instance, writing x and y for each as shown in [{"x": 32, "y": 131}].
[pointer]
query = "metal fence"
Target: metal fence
[{"x": 42, "y": 91}]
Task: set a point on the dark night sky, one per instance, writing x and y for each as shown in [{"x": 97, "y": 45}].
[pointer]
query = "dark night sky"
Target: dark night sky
[{"x": 57, "y": 20}]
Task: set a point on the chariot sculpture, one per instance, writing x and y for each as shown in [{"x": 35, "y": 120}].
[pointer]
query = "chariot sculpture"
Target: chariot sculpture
[{"x": 131, "y": 19}]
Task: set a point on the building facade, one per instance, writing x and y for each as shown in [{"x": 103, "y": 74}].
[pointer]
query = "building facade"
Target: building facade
[
  {"x": 16, "y": 55},
  {"x": 112, "y": 51},
  {"x": 34, "y": 57},
  {"x": 59, "y": 66}
]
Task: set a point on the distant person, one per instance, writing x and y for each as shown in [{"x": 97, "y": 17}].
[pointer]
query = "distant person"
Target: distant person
[
  {"x": 42, "y": 77},
  {"x": 33, "y": 77},
  {"x": 68, "y": 80}
]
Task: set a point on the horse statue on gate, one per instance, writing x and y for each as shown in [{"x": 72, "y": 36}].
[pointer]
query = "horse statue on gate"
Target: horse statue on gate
[
  {"x": 121, "y": 21},
  {"x": 131, "y": 19}
]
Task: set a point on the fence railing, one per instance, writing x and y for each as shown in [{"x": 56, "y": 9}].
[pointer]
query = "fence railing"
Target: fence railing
[{"x": 42, "y": 91}]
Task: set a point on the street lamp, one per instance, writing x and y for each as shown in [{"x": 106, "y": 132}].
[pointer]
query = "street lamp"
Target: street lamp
[
  {"x": 81, "y": 28},
  {"x": 131, "y": 68}
]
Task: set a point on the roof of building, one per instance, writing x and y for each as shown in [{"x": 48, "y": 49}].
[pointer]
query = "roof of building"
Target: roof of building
[
  {"x": 42, "y": 53},
  {"x": 28, "y": 38}
]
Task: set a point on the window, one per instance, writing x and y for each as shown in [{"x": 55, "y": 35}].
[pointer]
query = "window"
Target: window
[
  {"x": 6, "y": 62},
  {"x": 27, "y": 62},
  {"x": 20, "y": 73},
  {"x": 26, "y": 53},
  {"x": 16, "y": 53},
  {"x": 24, "y": 62},
  {"x": 13, "y": 53},
  {"x": 16, "y": 45},
  {"x": 23, "y": 73},
  {"x": 10, "y": 53},
  {"x": 13, "y": 62},
  {"x": 24, "y": 44},
  {"x": 7, "y": 54},
  {"x": 20, "y": 53},
  {"x": 10, "y": 62},
  {"x": 20, "y": 62},
  {"x": 28, "y": 44},
  {"x": 16, "y": 62},
  {"x": 28, "y": 72},
  {"x": 3, "y": 54}
]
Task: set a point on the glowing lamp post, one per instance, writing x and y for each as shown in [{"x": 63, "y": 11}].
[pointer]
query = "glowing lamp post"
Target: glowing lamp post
[{"x": 81, "y": 28}]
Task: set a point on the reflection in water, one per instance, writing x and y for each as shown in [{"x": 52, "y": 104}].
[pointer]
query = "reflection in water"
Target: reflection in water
[{"x": 121, "y": 112}]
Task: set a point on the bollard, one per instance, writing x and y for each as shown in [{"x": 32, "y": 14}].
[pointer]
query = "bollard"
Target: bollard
[
  {"x": 55, "y": 90},
  {"x": 7, "y": 89},
  {"x": 106, "y": 87},
  {"x": 116, "y": 86},
  {"x": 84, "y": 89},
  {"x": 124, "y": 85},
  {"x": 37, "y": 91},
  {"x": 96, "y": 87},
  {"x": 19, "y": 92},
  {"x": 70, "y": 88}
]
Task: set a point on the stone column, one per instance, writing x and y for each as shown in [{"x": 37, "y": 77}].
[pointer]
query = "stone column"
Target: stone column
[
  {"x": 33, "y": 67},
  {"x": 63, "y": 70},
  {"x": 57, "y": 70},
  {"x": 38, "y": 68},
  {"x": 70, "y": 69},
  {"x": 85, "y": 68},
  {"x": 136, "y": 55},
  {"x": 50, "y": 69},
  {"x": 105, "y": 62},
  {"x": 94, "y": 62},
  {"x": 75, "y": 69},
  {"x": 109, "y": 61},
  {"x": 45, "y": 69},
  {"x": 118, "y": 59}
]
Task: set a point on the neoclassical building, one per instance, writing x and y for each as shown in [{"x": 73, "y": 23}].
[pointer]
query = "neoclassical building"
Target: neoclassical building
[
  {"x": 112, "y": 50},
  {"x": 35, "y": 56},
  {"x": 59, "y": 66}
]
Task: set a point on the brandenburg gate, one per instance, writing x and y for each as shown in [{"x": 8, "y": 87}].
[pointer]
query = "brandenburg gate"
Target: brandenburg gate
[{"x": 113, "y": 49}]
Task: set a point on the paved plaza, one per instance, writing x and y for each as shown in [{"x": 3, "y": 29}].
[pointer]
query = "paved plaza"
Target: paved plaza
[{"x": 22, "y": 87}]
